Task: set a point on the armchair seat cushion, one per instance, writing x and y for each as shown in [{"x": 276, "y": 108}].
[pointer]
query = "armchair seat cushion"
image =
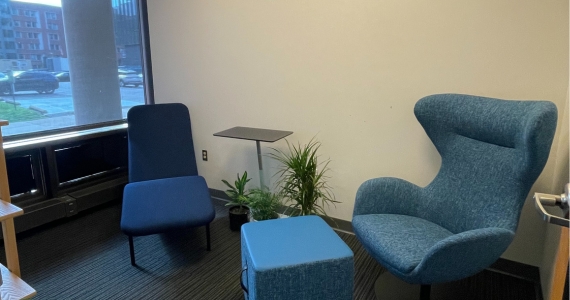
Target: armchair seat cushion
[
  {"x": 160, "y": 205},
  {"x": 398, "y": 242}
]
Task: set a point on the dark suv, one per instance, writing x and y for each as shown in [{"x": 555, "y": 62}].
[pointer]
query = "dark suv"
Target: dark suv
[{"x": 41, "y": 82}]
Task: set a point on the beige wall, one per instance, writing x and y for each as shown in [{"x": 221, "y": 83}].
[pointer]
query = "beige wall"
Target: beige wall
[
  {"x": 350, "y": 72},
  {"x": 561, "y": 174}
]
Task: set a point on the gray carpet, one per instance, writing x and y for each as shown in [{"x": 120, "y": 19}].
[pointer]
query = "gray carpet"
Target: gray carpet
[{"x": 87, "y": 257}]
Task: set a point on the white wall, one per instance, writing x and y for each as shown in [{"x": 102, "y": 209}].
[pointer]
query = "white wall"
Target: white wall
[{"x": 351, "y": 72}]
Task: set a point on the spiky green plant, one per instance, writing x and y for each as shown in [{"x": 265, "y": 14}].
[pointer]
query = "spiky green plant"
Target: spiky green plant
[
  {"x": 264, "y": 204},
  {"x": 303, "y": 180},
  {"x": 237, "y": 193}
]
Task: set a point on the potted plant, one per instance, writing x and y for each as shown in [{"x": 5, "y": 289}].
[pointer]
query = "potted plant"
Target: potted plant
[
  {"x": 239, "y": 212},
  {"x": 303, "y": 179},
  {"x": 264, "y": 205}
]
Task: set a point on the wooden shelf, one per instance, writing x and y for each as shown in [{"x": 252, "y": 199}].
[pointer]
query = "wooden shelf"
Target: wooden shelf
[
  {"x": 13, "y": 287},
  {"x": 8, "y": 211}
]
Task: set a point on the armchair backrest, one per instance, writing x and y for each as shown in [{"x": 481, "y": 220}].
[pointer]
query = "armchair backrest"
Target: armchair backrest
[
  {"x": 492, "y": 152},
  {"x": 160, "y": 142}
]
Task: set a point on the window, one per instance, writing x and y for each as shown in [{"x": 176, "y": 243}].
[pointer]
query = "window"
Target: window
[
  {"x": 8, "y": 33},
  {"x": 30, "y": 13},
  {"x": 15, "y": 12},
  {"x": 122, "y": 88},
  {"x": 32, "y": 24}
]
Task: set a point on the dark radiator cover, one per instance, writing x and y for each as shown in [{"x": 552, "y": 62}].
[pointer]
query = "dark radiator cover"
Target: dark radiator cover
[{"x": 20, "y": 170}]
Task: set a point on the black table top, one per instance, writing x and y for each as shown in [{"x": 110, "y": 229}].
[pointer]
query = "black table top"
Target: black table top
[{"x": 254, "y": 134}]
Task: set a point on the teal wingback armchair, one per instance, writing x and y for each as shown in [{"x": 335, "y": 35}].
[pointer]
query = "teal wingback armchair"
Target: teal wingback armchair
[{"x": 492, "y": 153}]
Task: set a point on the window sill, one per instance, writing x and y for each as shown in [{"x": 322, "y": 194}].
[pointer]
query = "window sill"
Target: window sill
[{"x": 37, "y": 142}]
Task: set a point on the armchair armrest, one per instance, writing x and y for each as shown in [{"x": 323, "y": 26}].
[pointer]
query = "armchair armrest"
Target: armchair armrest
[
  {"x": 462, "y": 255},
  {"x": 387, "y": 195}
]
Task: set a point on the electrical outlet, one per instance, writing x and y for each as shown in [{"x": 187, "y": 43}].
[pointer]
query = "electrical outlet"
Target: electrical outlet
[{"x": 204, "y": 155}]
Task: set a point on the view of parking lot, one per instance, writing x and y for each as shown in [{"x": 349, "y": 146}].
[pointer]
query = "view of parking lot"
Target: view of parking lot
[
  {"x": 39, "y": 52},
  {"x": 56, "y": 110}
]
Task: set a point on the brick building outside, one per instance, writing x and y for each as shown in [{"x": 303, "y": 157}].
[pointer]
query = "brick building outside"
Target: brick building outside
[
  {"x": 7, "y": 41},
  {"x": 38, "y": 32}
]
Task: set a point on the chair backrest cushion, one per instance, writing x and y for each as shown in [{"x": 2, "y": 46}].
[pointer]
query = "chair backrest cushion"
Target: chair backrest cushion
[
  {"x": 492, "y": 152},
  {"x": 160, "y": 142}
]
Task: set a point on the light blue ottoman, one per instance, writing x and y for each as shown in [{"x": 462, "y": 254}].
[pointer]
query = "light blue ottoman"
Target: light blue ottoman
[{"x": 295, "y": 258}]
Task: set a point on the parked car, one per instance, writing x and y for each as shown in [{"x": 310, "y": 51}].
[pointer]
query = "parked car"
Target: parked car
[
  {"x": 39, "y": 81},
  {"x": 137, "y": 69},
  {"x": 63, "y": 77},
  {"x": 129, "y": 77}
]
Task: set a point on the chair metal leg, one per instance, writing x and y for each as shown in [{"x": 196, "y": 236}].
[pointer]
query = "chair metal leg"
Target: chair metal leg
[
  {"x": 208, "y": 237},
  {"x": 425, "y": 292},
  {"x": 132, "y": 250}
]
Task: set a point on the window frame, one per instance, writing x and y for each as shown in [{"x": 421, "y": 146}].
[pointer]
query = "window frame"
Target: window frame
[
  {"x": 148, "y": 84},
  {"x": 33, "y": 24},
  {"x": 48, "y": 13},
  {"x": 6, "y": 43},
  {"x": 33, "y": 35},
  {"x": 30, "y": 13}
]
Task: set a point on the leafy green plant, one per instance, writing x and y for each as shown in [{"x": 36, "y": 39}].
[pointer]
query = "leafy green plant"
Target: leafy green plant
[
  {"x": 238, "y": 193},
  {"x": 303, "y": 180},
  {"x": 264, "y": 204}
]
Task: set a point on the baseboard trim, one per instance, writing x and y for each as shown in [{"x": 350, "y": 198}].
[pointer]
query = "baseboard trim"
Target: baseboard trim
[
  {"x": 516, "y": 269},
  {"x": 221, "y": 195},
  {"x": 520, "y": 271}
]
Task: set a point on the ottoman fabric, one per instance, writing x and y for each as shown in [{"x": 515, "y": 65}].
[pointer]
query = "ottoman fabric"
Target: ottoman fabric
[{"x": 295, "y": 258}]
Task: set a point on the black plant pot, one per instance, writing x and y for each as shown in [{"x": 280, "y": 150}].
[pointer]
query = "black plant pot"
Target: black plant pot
[{"x": 238, "y": 218}]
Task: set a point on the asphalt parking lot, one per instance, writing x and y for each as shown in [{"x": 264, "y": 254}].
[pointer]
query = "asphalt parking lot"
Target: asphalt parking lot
[{"x": 61, "y": 102}]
